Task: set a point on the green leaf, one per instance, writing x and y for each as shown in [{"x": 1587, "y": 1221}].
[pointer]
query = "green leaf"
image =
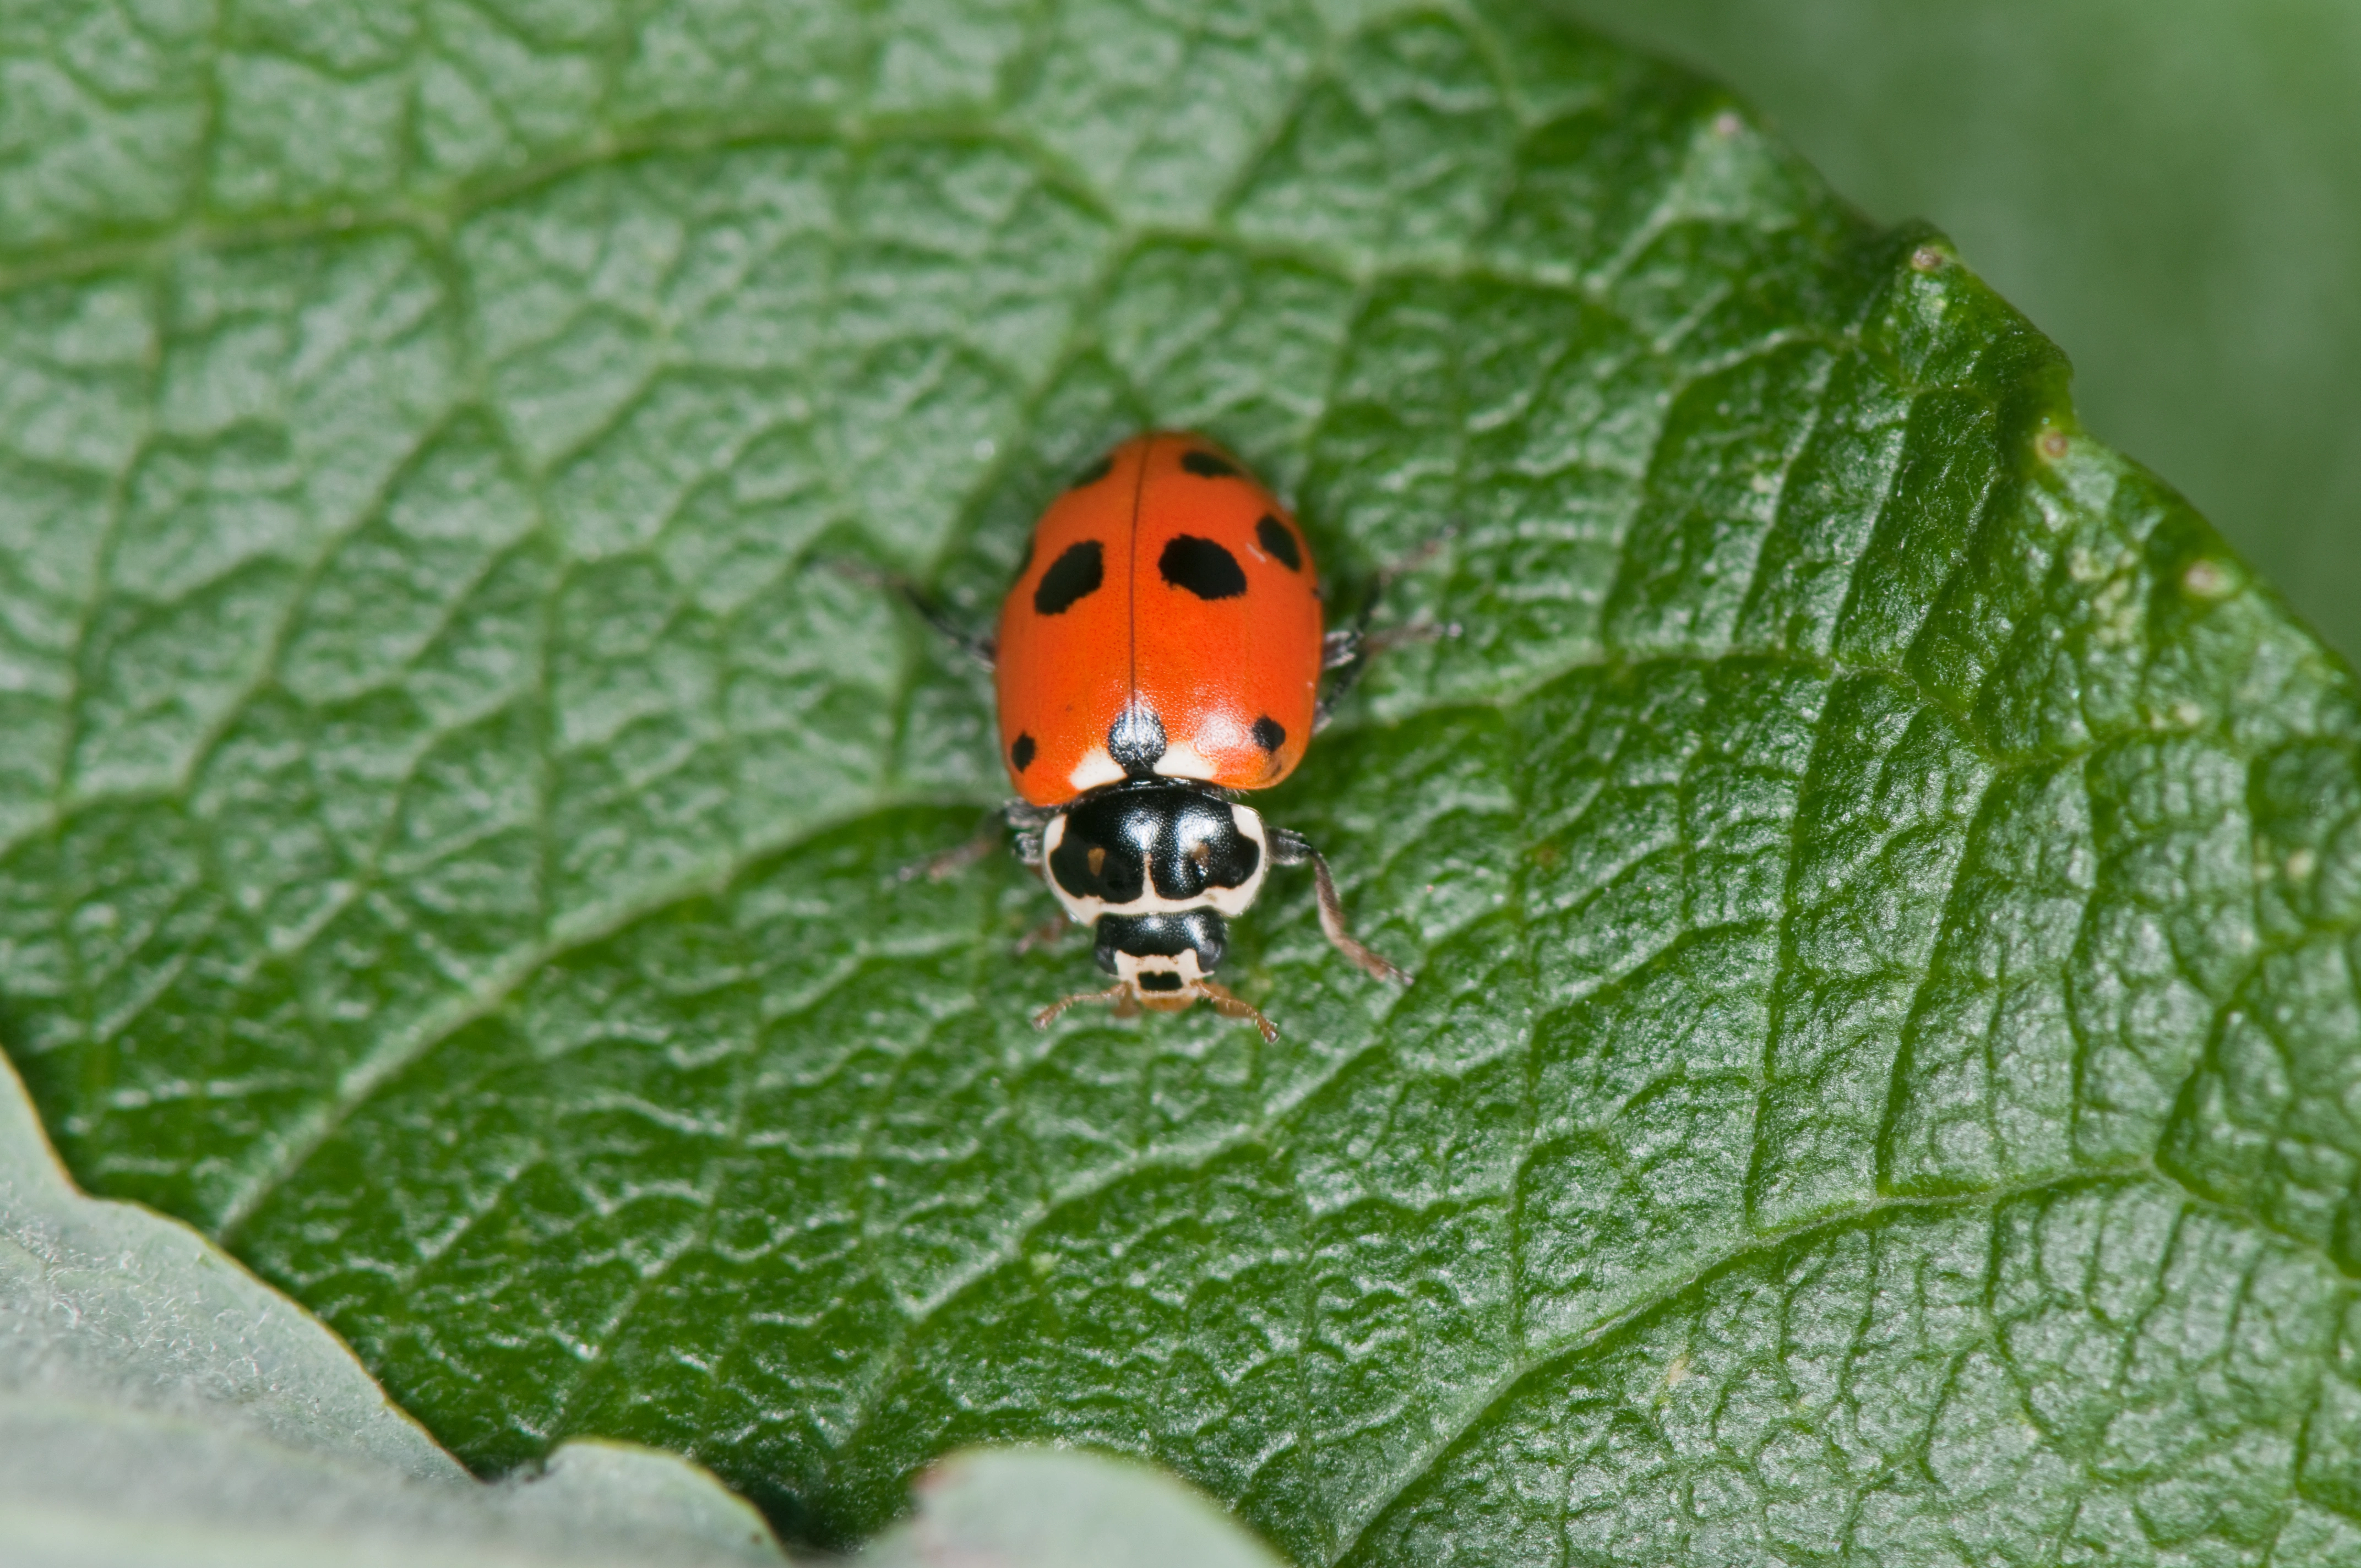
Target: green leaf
[
  {"x": 1051, "y": 1510},
  {"x": 1882, "y": 877},
  {"x": 160, "y": 1405},
  {"x": 2171, "y": 188}
]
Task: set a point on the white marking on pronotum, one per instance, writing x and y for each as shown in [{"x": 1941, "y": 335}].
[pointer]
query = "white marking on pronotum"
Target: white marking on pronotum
[{"x": 1226, "y": 901}]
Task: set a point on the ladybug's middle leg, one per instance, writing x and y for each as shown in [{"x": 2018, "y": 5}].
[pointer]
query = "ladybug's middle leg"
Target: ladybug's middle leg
[
  {"x": 1026, "y": 819},
  {"x": 1048, "y": 932},
  {"x": 1289, "y": 849},
  {"x": 1348, "y": 650}
]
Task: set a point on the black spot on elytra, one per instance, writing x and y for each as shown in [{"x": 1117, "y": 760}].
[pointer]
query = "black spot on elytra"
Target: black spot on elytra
[
  {"x": 1205, "y": 465},
  {"x": 1269, "y": 733},
  {"x": 1093, "y": 474},
  {"x": 1279, "y": 543},
  {"x": 1076, "y": 574},
  {"x": 1022, "y": 752},
  {"x": 1202, "y": 567}
]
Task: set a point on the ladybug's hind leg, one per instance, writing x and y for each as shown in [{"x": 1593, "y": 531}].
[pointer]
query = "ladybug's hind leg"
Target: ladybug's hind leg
[
  {"x": 1289, "y": 849},
  {"x": 983, "y": 650},
  {"x": 1027, "y": 820}
]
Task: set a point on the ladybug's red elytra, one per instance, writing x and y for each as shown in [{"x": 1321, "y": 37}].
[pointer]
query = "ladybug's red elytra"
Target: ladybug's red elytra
[{"x": 1162, "y": 650}]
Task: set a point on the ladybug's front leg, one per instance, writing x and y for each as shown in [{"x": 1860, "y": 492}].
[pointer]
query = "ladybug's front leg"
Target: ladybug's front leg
[{"x": 1289, "y": 849}]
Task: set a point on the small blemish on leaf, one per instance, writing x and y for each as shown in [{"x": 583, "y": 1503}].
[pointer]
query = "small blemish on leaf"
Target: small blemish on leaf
[
  {"x": 1927, "y": 259},
  {"x": 2205, "y": 580},
  {"x": 2053, "y": 444},
  {"x": 1728, "y": 123}
]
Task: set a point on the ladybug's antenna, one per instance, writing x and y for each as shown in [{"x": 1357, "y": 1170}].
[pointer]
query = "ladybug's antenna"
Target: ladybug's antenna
[
  {"x": 1119, "y": 993},
  {"x": 1229, "y": 1005},
  {"x": 1126, "y": 1000}
]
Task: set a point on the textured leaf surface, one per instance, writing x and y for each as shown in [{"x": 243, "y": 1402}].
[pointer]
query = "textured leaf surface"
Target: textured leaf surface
[
  {"x": 159, "y": 1405},
  {"x": 1057, "y": 1509},
  {"x": 1884, "y": 881}
]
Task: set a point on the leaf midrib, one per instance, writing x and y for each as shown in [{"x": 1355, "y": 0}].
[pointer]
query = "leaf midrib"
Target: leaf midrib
[{"x": 1120, "y": 244}]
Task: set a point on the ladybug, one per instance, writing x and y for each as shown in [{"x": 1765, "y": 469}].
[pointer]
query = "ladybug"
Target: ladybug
[{"x": 1161, "y": 651}]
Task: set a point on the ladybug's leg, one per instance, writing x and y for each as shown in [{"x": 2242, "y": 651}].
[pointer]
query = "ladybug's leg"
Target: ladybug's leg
[
  {"x": 981, "y": 649},
  {"x": 944, "y": 864},
  {"x": 1349, "y": 653},
  {"x": 1349, "y": 649},
  {"x": 1049, "y": 931},
  {"x": 1028, "y": 821},
  {"x": 1118, "y": 993},
  {"x": 1288, "y": 848},
  {"x": 1230, "y": 1004}
]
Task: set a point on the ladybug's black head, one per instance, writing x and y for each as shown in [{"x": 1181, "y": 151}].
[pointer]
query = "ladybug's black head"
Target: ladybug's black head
[
  {"x": 1161, "y": 952},
  {"x": 1153, "y": 866}
]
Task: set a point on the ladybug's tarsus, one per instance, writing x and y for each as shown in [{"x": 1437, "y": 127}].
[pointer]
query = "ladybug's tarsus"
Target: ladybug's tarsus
[
  {"x": 944, "y": 864},
  {"x": 1291, "y": 848}
]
